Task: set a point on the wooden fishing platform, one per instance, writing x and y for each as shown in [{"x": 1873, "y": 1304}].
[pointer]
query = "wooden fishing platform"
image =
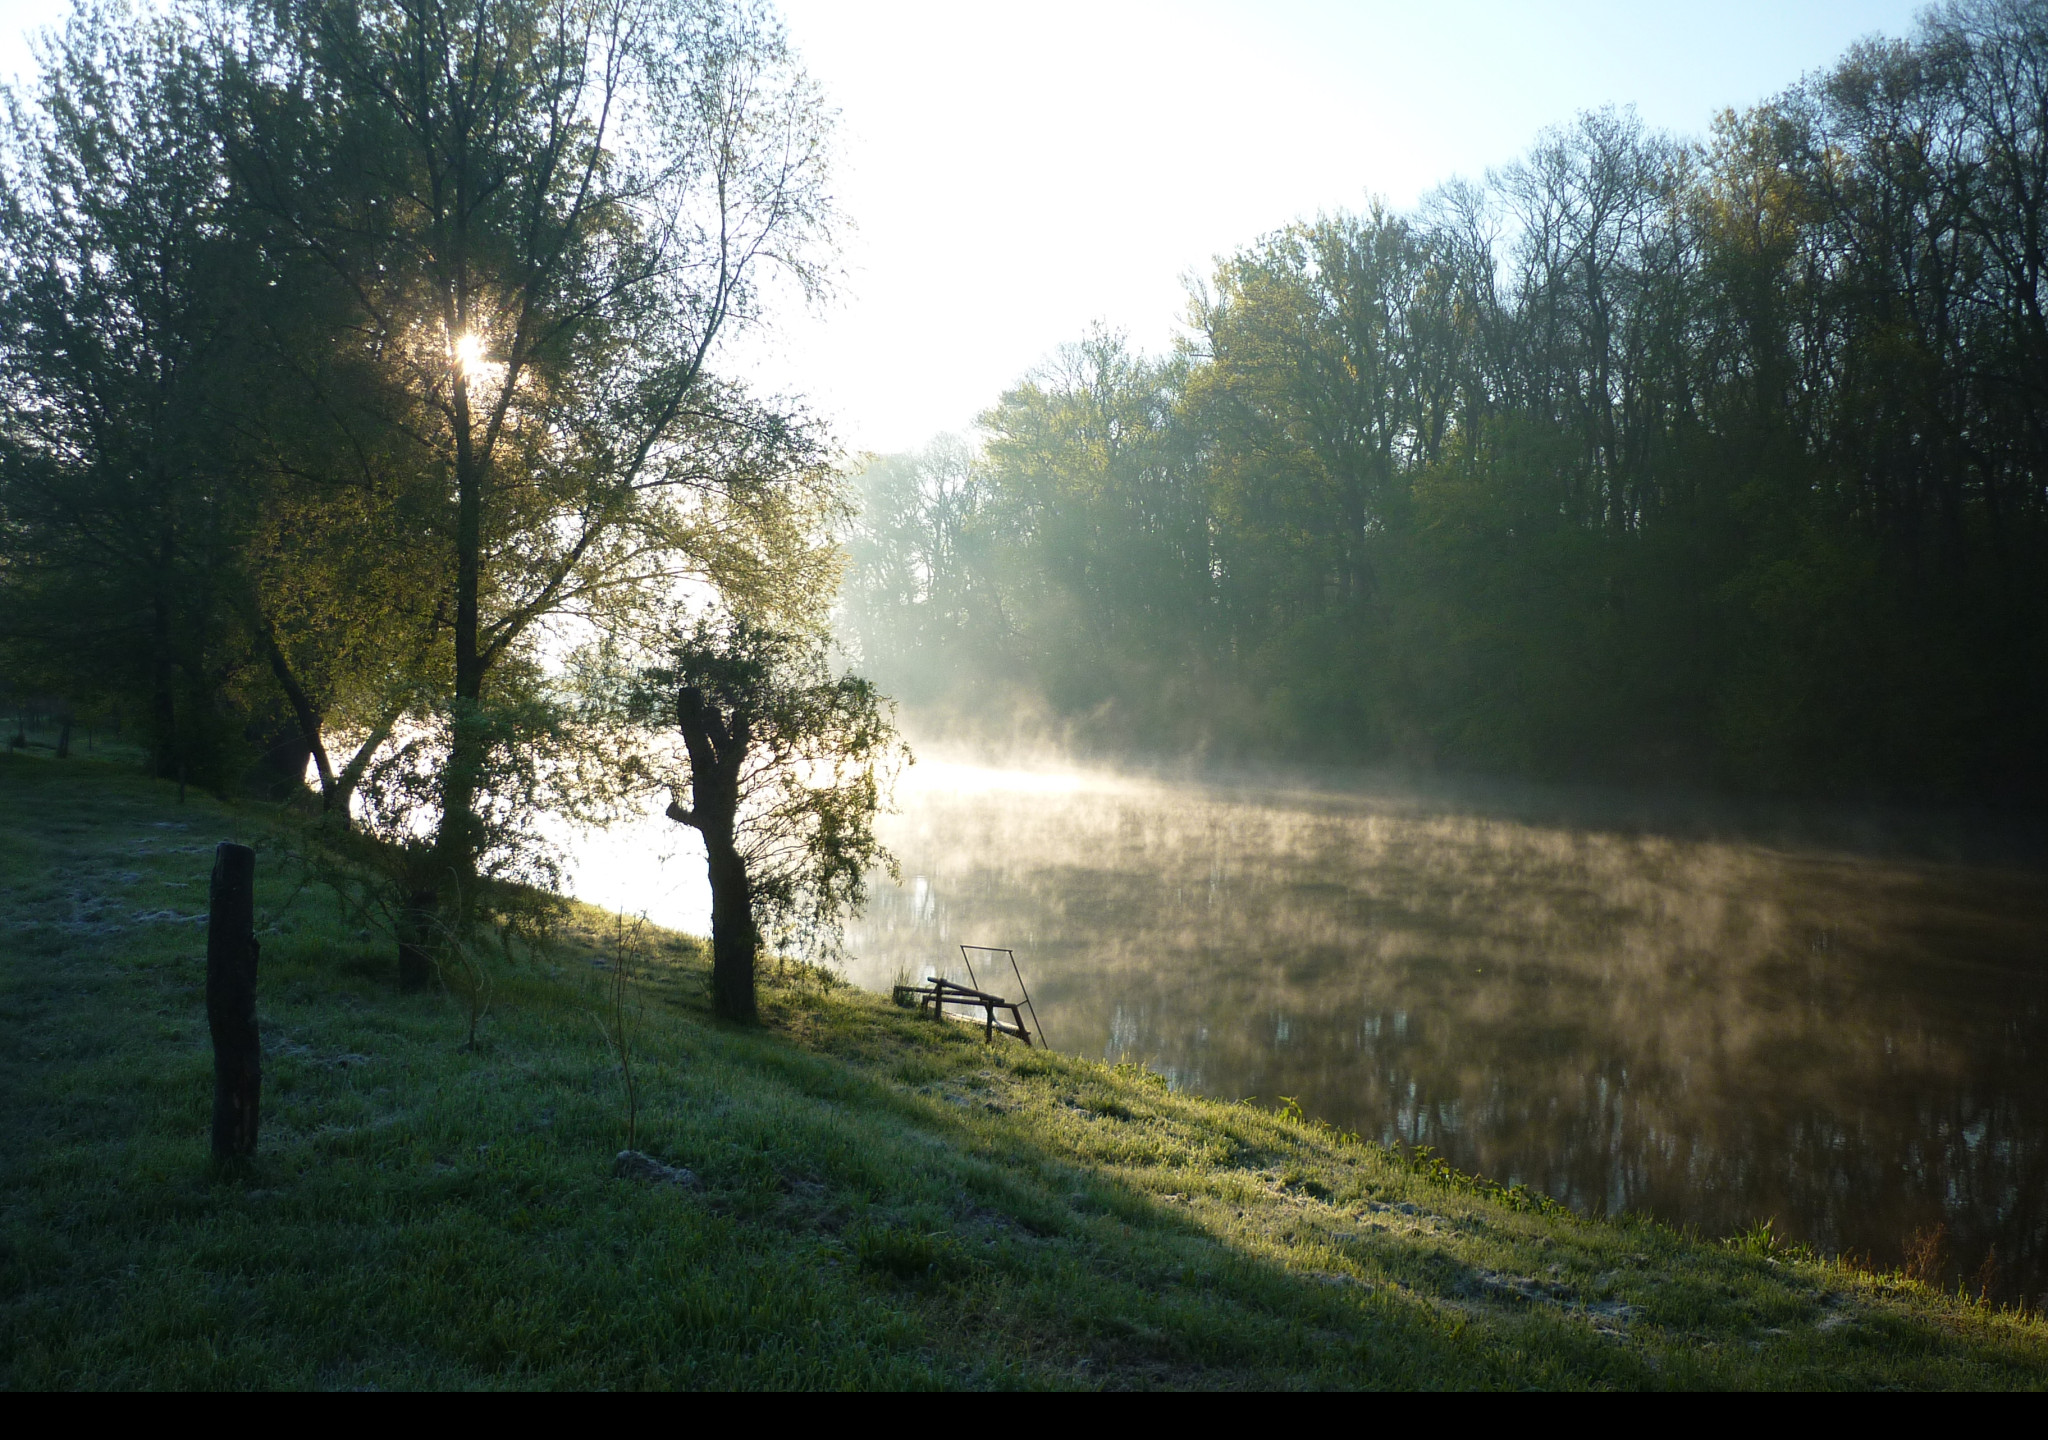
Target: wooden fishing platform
[{"x": 938, "y": 994}]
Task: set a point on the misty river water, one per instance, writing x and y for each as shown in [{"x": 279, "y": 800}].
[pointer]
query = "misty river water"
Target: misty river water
[{"x": 1713, "y": 1031}]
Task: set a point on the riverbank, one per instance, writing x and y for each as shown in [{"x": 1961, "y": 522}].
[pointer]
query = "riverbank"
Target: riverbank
[{"x": 877, "y": 1201}]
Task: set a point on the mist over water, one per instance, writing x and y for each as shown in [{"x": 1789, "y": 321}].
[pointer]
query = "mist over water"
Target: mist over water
[{"x": 1709, "y": 1030}]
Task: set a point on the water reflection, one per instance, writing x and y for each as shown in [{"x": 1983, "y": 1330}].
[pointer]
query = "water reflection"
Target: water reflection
[{"x": 1708, "y": 1031}]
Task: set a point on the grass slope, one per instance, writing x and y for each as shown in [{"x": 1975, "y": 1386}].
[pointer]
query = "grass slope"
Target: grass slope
[{"x": 882, "y": 1201}]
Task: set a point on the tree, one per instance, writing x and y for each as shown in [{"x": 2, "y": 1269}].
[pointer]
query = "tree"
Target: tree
[
  {"x": 199, "y": 529},
  {"x": 920, "y": 580},
  {"x": 120, "y": 345},
  {"x": 547, "y": 214},
  {"x": 1092, "y": 536},
  {"x": 784, "y": 769}
]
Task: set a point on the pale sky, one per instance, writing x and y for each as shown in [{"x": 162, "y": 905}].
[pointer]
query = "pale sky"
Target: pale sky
[{"x": 1015, "y": 172}]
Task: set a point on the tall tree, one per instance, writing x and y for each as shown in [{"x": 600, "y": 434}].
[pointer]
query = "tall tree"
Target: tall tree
[
  {"x": 124, "y": 305},
  {"x": 918, "y": 578},
  {"x": 548, "y": 213}
]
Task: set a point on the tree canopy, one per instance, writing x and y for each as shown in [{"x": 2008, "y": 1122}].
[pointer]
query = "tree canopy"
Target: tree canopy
[
  {"x": 362, "y": 361},
  {"x": 1716, "y": 461},
  {"x": 782, "y": 771}
]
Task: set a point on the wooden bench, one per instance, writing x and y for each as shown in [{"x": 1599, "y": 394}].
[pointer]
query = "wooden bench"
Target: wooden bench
[{"x": 938, "y": 994}]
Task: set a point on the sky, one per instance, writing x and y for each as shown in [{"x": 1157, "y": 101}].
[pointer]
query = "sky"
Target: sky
[{"x": 1013, "y": 173}]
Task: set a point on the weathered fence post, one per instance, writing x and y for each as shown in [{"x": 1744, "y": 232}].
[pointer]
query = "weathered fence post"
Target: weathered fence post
[{"x": 231, "y": 1001}]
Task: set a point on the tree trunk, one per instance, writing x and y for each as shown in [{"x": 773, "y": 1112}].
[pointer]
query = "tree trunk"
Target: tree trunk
[
  {"x": 416, "y": 939},
  {"x": 718, "y": 752},
  {"x": 231, "y": 1001},
  {"x": 352, "y": 773},
  {"x": 165, "y": 760},
  {"x": 303, "y": 712},
  {"x": 458, "y": 843},
  {"x": 64, "y": 738},
  {"x": 734, "y": 941},
  {"x": 458, "y": 839}
]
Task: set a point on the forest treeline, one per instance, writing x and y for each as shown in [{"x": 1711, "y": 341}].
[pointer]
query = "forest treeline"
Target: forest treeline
[{"x": 1714, "y": 461}]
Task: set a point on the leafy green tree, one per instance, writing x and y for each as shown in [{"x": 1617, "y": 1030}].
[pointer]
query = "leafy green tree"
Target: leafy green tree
[
  {"x": 210, "y": 529},
  {"x": 1096, "y": 536},
  {"x": 547, "y": 216},
  {"x": 123, "y": 343},
  {"x": 784, "y": 767},
  {"x": 918, "y": 584}
]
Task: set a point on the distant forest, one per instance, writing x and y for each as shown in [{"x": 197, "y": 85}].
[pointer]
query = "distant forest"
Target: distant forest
[{"x": 1717, "y": 462}]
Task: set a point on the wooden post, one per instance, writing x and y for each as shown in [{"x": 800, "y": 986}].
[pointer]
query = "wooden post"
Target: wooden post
[{"x": 231, "y": 1001}]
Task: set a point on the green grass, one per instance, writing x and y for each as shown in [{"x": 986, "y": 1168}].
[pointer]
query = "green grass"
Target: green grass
[{"x": 883, "y": 1201}]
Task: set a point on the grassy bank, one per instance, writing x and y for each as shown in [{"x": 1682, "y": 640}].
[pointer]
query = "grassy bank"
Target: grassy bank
[{"x": 880, "y": 1201}]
